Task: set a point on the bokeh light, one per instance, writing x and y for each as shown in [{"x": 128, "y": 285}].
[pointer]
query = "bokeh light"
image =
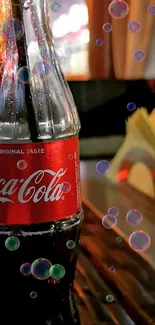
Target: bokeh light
[
  {"x": 40, "y": 268},
  {"x": 25, "y": 269},
  {"x": 12, "y": 28},
  {"x": 103, "y": 167},
  {"x": 12, "y": 243},
  {"x": 131, "y": 106},
  {"x": 113, "y": 211},
  {"x": 99, "y": 42},
  {"x": 57, "y": 271},
  {"x": 139, "y": 241},
  {"x": 134, "y": 27},
  {"x": 107, "y": 27},
  {"x": 118, "y": 9},
  {"x": 139, "y": 55},
  {"x": 134, "y": 217},
  {"x": 70, "y": 244},
  {"x": 109, "y": 221},
  {"x": 151, "y": 10}
]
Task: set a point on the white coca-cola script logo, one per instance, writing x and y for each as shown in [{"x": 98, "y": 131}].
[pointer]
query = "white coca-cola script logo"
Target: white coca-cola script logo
[{"x": 52, "y": 192}]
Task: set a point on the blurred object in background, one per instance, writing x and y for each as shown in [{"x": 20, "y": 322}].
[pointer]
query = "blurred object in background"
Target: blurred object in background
[
  {"x": 151, "y": 84},
  {"x": 70, "y": 30},
  {"x": 116, "y": 56},
  {"x": 104, "y": 106},
  {"x": 134, "y": 162},
  {"x": 102, "y": 39}
]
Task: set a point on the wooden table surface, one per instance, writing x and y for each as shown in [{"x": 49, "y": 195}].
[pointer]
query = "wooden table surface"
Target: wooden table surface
[
  {"x": 103, "y": 194},
  {"x": 132, "y": 283}
]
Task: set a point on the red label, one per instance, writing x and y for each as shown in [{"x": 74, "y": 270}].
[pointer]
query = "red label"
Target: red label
[{"x": 39, "y": 182}]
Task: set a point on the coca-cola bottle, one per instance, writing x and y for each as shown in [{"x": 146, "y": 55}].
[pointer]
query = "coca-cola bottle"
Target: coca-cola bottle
[{"x": 40, "y": 206}]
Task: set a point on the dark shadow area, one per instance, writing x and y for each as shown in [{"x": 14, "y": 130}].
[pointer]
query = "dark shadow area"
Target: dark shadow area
[{"x": 102, "y": 105}]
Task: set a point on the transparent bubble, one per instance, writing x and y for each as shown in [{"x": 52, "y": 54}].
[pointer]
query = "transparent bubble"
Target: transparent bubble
[
  {"x": 109, "y": 221},
  {"x": 151, "y": 10},
  {"x": 66, "y": 187},
  {"x": 112, "y": 269},
  {"x": 25, "y": 269},
  {"x": 24, "y": 75},
  {"x": 70, "y": 157},
  {"x": 42, "y": 55},
  {"x": 21, "y": 164},
  {"x": 99, "y": 42},
  {"x": 57, "y": 271},
  {"x": 70, "y": 244},
  {"x": 55, "y": 7},
  {"x": 119, "y": 239},
  {"x": 40, "y": 268},
  {"x": 80, "y": 241},
  {"x": 131, "y": 106},
  {"x": 12, "y": 28},
  {"x": 134, "y": 27},
  {"x": 42, "y": 70},
  {"x": 134, "y": 217},
  {"x": 12, "y": 243},
  {"x": 118, "y": 9},
  {"x": 103, "y": 167},
  {"x": 113, "y": 211},
  {"x": 33, "y": 295},
  {"x": 109, "y": 298},
  {"x": 107, "y": 27},
  {"x": 139, "y": 241},
  {"x": 139, "y": 55}
]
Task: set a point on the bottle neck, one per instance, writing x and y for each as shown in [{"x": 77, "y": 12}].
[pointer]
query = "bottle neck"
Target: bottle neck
[{"x": 43, "y": 103}]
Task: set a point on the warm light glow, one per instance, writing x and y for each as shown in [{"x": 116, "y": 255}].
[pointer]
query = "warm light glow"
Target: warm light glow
[
  {"x": 83, "y": 14},
  {"x": 76, "y": 18},
  {"x": 85, "y": 36},
  {"x": 123, "y": 175},
  {"x": 5, "y": 13},
  {"x": 61, "y": 26}
]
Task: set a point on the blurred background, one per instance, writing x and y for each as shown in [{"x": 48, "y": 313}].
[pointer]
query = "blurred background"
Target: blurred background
[
  {"x": 106, "y": 50},
  {"x": 101, "y": 42}
]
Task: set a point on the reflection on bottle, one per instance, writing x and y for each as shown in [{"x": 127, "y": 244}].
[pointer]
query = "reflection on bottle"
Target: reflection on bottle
[
  {"x": 2, "y": 101},
  {"x": 19, "y": 97}
]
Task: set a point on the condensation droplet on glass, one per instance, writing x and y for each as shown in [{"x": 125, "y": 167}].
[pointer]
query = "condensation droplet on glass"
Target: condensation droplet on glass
[{"x": 27, "y": 4}]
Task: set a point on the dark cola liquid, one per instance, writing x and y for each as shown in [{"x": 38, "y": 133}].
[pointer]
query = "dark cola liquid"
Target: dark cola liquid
[{"x": 29, "y": 294}]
